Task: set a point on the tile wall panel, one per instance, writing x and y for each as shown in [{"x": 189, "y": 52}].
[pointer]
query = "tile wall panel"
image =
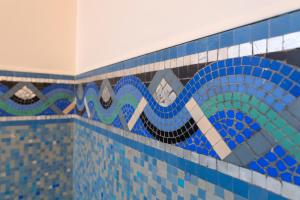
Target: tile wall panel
[
  {"x": 109, "y": 168},
  {"x": 36, "y": 160}
]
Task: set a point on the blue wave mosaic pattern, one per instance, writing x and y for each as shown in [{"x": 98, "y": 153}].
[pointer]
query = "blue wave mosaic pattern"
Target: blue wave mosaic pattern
[
  {"x": 32, "y": 99},
  {"x": 36, "y": 160},
  {"x": 251, "y": 101}
]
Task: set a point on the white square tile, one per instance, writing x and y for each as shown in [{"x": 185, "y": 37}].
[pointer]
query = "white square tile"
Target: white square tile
[
  {"x": 291, "y": 41},
  {"x": 203, "y": 160},
  {"x": 211, "y": 163},
  {"x": 245, "y": 49},
  {"x": 203, "y": 57},
  {"x": 161, "y": 65},
  {"x": 212, "y": 55},
  {"x": 223, "y": 53},
  {"x": 233, "y": 170},
  {"x": 222, "y": 166},
  {"x": 194, "y": 59},
  {"x": 180, "y": 62},
  {"x": 195, "y": 157},
  {"x": 167, "y": 64},
  {"x": 173, "y": 63},
  {"x": 275, "y": 44},
  {"x": 259, "y": 179},
  {"x": 260, "y": 46},
  {"x": 233, "y": 51},
  {"x": 290, "y": 191},
  {"x": 274, "y": 185},
  {"x": 245, "y": 175},
  {"x": 187, "y": 60}
]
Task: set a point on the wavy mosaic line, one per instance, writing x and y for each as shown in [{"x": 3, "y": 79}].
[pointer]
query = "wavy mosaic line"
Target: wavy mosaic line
[
  {"x": 25, "y": 99},
  {"x": 225, "y": 110}
]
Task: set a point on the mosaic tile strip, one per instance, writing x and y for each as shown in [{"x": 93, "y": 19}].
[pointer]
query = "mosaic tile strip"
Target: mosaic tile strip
[
  {"x": 226, "y": 109},
  {"x": 134, "y": 166},
  {"x": 36, "y": 160},
  {"x": 33, "y": 99}
]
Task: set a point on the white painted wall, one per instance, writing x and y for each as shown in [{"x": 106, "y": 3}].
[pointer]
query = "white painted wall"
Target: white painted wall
[
  {"x": 113, "y": 30},
  {"x": 38, "y": 35}
]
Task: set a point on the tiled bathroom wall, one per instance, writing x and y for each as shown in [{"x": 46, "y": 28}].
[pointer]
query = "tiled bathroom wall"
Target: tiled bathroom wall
[
  {"x": 231, "y": 98},
  {"x": 213, "y": 118},
  {"x": 108, "y": 165},
  {"x": 36, "y": 159},
  {"x": 36, "y": 136}
]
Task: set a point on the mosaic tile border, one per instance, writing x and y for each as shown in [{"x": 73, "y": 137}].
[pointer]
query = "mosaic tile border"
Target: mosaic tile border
[
  {"x": 55, "y": 118},
  {"x": 233, "y": 47},
  {"x": 171, "y": 153},
  {"x": 270, "y": 35},
  {"x": 271, "y": 45}
]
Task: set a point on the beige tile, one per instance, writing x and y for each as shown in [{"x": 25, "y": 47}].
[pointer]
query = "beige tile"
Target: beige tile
[
  {"x": 222, "y": 149},
  {"x": 204, "y": 124},
  {"x": 139, "y": 109},
  {"x": 213, "y": 136}
]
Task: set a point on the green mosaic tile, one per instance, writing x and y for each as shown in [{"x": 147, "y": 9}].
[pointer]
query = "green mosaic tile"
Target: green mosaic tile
[{"x": 271, "y": 114}]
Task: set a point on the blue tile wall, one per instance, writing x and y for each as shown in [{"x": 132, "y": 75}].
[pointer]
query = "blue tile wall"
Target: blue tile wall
[
  {"x": 108, "y": 166},
  {"x": 36, "y": 159},
  {"x": 252, "y": 102}
]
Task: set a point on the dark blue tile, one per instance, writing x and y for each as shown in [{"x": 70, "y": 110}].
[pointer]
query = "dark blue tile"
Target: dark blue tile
[
  {"x": 286, "y": 70},
  {"x": 213, "y": 42},
  {"x": 295, "y": 91},
  {"x": 272, "y": 196},
  {"x": 294, "y": 21},
  {"x": 279, "y": 25},
  {"x": 226, "y": 39},
  {"x": 225, "y": 181},
  {"x": 173, "y": 52},
  {"x": 191, "y": 47},
  {"x": 260, "y": 30},
  {"x": 256, "y": 193},
  {"x": 181, "y": 50},
  {"x": 286, "y": 84},
  {"x": 242, "y": 35},
  {"x": 295, "y": 76},
  {"x": 241, "y": 188},
  {"x": 201, "y": 44}
]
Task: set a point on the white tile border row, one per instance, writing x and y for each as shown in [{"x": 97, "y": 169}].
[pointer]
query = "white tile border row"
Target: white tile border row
[
  {"x": 274, "y": 44},
  {"x": 36, "y": 80},
  {"x": 283, "y": 188},
  {"x": 41, "y": 117}
]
